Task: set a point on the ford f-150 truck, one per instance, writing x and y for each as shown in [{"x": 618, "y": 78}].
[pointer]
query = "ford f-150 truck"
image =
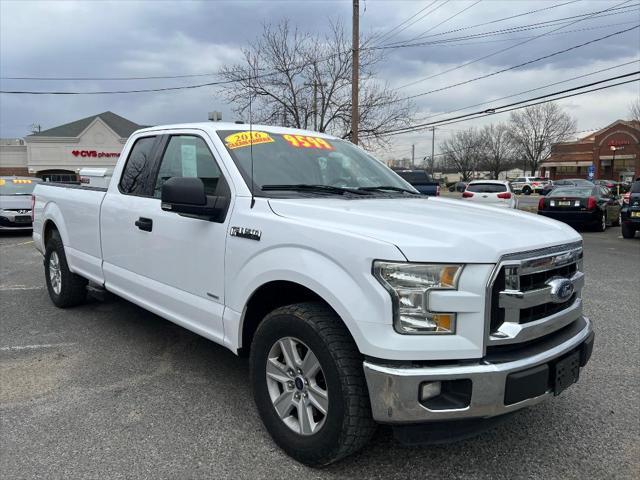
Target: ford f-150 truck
[{"x": 358, "y": 300}]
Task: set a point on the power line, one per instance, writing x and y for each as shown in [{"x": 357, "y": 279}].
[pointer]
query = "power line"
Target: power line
[
  {"x": 516, "y": 29},
  {"x": 453, "y": 16},
  {"x": 533, "y": 89},
  {"x": 517, "y": 105},
  {"x": 442, "y": 4},
  {"x": 385, "y": 35},
  {"x": 513, "y": 67},
  {"x": 502, "y": 50},
  {"x": 494, "y": 21}
]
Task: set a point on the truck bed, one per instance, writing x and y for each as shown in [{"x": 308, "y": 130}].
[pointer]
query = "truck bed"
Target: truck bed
[{"x": 76, "y": 212}]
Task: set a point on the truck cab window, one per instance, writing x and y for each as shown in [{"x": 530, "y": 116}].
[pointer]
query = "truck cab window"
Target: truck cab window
[
  {"x": 188, "y": 156},
  {"x": 136, "y": 174}
]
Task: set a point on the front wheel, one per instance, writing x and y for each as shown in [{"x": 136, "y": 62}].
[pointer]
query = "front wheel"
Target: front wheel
[
  {"x": 526, "y": 190},
  {"x": 66, "y": 289},
  {"x": 309, "y": 385}
]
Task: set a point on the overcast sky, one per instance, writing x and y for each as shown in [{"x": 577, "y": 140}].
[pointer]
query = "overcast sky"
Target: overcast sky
[{"x": 145, "y": 38}]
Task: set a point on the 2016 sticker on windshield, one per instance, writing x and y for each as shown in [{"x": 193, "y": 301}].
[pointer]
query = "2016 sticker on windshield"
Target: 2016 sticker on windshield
[
  {"x": 303, "y": 141},
  {"x": 245, "y": 139}
]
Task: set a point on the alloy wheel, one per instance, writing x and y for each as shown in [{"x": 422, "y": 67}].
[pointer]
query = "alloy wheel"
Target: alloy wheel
[
  {"x": 55, "y": 276},
  {"x": 297, "y": 386}
]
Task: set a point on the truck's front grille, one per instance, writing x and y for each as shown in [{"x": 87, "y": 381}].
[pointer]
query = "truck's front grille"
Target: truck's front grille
[{"x": 535, "y": 293}]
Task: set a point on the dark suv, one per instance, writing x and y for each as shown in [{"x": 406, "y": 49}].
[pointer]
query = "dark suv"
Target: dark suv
[{"x": 630, "y": 213}]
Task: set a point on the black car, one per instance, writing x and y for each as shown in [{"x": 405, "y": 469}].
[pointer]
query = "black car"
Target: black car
[
  {"x": 421, "y": 181},
  {"x": 567, "y": 182},
  {"x": 630, "y": 213},
  {"x": 584, "y": 205}
]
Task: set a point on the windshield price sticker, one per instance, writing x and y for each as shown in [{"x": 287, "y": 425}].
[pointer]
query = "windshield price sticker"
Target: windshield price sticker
[
  {"x": 245, "y": 139},
  {"x": 303, "y": 141}
]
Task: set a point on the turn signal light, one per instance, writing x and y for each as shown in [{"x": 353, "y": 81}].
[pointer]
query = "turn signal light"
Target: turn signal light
[
  {"x": 467, "y": 194},
  {"x": 541, "y": 204},
  {"x": 506, "y": 195},
  {"x": 592, "y": 203}
]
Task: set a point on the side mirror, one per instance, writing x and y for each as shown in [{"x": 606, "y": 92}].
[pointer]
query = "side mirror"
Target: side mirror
[{"x": 186, "y": 196}]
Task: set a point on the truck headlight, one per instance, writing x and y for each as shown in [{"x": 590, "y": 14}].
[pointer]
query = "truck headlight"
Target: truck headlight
[{"x": 409, "y": 285}]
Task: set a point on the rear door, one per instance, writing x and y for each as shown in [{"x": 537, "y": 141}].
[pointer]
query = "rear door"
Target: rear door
[{"x": 173, "y": 265}]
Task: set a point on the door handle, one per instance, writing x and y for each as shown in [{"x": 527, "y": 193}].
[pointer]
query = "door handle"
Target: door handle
[{"x": 145, "y": 224}]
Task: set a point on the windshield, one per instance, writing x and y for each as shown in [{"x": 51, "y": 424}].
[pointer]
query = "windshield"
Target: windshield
[
  {"x": 486, "y": 187},
  {"x": 294, "y": 160},
  {"x": 572, "y": 192},
  {"x": 17, "y": 186}
]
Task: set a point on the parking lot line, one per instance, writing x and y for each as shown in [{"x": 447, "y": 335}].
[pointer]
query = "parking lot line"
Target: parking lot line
[
  {"x": 9, "y": 288},
  {"x": 17, "y": 348},
  {"x": 16, "y": 244}
]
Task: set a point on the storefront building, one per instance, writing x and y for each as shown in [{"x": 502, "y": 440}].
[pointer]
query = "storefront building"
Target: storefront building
[
  {"x": 612, "y": 153},
  {"x": 58, "y": 154}
]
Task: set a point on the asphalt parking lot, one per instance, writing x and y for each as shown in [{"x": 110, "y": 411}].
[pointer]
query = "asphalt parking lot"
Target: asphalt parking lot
[{"x": 108, "y": 390}]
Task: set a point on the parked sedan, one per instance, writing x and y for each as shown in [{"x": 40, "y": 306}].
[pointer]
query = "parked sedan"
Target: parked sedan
[
  {"x": 15, "y": 202},
  {"x": 582, "y": 206},
  {"x": 490, "y": 192},
  {"x": 566, "y": 182},
  {"x": 630, "y": 213}
]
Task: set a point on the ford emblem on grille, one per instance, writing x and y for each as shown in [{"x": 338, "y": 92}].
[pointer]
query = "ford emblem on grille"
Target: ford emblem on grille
[{"x": 561, "y": 289}]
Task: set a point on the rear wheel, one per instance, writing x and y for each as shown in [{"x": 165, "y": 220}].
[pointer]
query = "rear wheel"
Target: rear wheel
[
  {"x": 309, "y": 386},
  {"x": 66, "y": 289},
  {"x": 628, "y": 231},
  {"x": 526, "y": 190}
]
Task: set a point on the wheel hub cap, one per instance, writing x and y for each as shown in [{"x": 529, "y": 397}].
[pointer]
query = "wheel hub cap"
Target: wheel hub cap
[
  {"x": 297, "y": 386},
  {"x": 55, "y": 276}
]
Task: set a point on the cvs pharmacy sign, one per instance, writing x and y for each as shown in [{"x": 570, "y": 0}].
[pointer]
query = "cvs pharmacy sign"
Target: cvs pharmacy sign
[{"x": 94, "y": 154}]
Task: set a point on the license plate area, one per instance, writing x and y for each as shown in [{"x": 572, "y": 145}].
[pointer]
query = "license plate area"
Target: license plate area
[
  {"x": 566, "y": 372},
  {"x": 564, "y": 203},
  {"x": 635, "y": 214}
]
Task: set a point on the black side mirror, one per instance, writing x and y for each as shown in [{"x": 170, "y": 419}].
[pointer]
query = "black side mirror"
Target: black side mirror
[{"x": 186, "y": 196}]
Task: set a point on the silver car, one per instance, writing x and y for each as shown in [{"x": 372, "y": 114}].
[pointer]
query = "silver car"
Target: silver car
[{"x": 15, "y": 202}]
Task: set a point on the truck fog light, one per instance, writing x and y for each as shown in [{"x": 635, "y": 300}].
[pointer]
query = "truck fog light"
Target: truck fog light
[{"x": 429, "y": 390}]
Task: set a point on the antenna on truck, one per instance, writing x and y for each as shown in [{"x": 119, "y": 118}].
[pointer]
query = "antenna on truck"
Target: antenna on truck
[{"x": 253, "y": 198}]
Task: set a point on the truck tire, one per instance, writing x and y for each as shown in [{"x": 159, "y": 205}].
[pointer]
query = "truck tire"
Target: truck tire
[
  {"x": 628, "y": 231},
  {"x": 303, "y": 359},
  {"x": 66, "y": 289}
]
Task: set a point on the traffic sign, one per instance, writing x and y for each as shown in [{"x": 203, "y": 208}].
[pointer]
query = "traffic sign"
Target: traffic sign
[{"x": 591, "y": 171}]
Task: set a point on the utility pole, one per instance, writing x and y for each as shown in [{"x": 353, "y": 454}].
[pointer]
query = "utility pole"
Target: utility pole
[
  {"x": 315, "y": 86},
  {"x": 413, "y": 156},
  {"x": 433, "y": 148},
  {"x": 355, "y": 67}
]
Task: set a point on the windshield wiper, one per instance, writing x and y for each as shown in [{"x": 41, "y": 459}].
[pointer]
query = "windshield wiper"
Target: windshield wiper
[
  {"x": 305, "y": 187},
  {"x": 388, "y": 187}
]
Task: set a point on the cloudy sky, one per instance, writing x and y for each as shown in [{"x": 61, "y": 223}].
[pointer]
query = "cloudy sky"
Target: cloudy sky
[{"x": 158, "y": 38}]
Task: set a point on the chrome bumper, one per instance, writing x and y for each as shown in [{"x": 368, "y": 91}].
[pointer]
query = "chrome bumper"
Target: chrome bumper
[{"x": 394, "y": 391}]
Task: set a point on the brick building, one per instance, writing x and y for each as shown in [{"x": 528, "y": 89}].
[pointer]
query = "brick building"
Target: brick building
[{"x": 614, "y": 151}]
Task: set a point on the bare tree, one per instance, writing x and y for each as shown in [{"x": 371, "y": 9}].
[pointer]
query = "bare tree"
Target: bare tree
[
  {"x": 535, "y": 129},
  {"x": 499, "y": 149},
  {"x": 634, "y": 110},
  {"x": 312, "y": 84},
  {"x": 463, "y": 151}
]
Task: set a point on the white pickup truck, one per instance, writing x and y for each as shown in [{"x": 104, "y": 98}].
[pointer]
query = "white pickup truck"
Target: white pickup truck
[{"x": 358, "y": 300}]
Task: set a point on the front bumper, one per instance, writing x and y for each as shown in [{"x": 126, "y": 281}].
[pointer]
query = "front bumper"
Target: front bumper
[
  {"x": 394, "y": 390},
  {"x": 15, "y": 222}
]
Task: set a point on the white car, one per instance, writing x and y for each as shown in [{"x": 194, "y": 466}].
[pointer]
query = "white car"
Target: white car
[
  {"x": 490, "y": 192},
  {"x": 358, "y": 300}
]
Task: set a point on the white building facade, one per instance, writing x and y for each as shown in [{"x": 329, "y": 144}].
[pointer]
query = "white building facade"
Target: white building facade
[{"x": 58, "y": 154}]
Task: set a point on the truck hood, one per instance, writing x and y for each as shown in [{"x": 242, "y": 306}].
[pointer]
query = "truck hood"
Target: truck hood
[
  {"x": 432, "y": 229},
  {"x": 15, "y": 202}
]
